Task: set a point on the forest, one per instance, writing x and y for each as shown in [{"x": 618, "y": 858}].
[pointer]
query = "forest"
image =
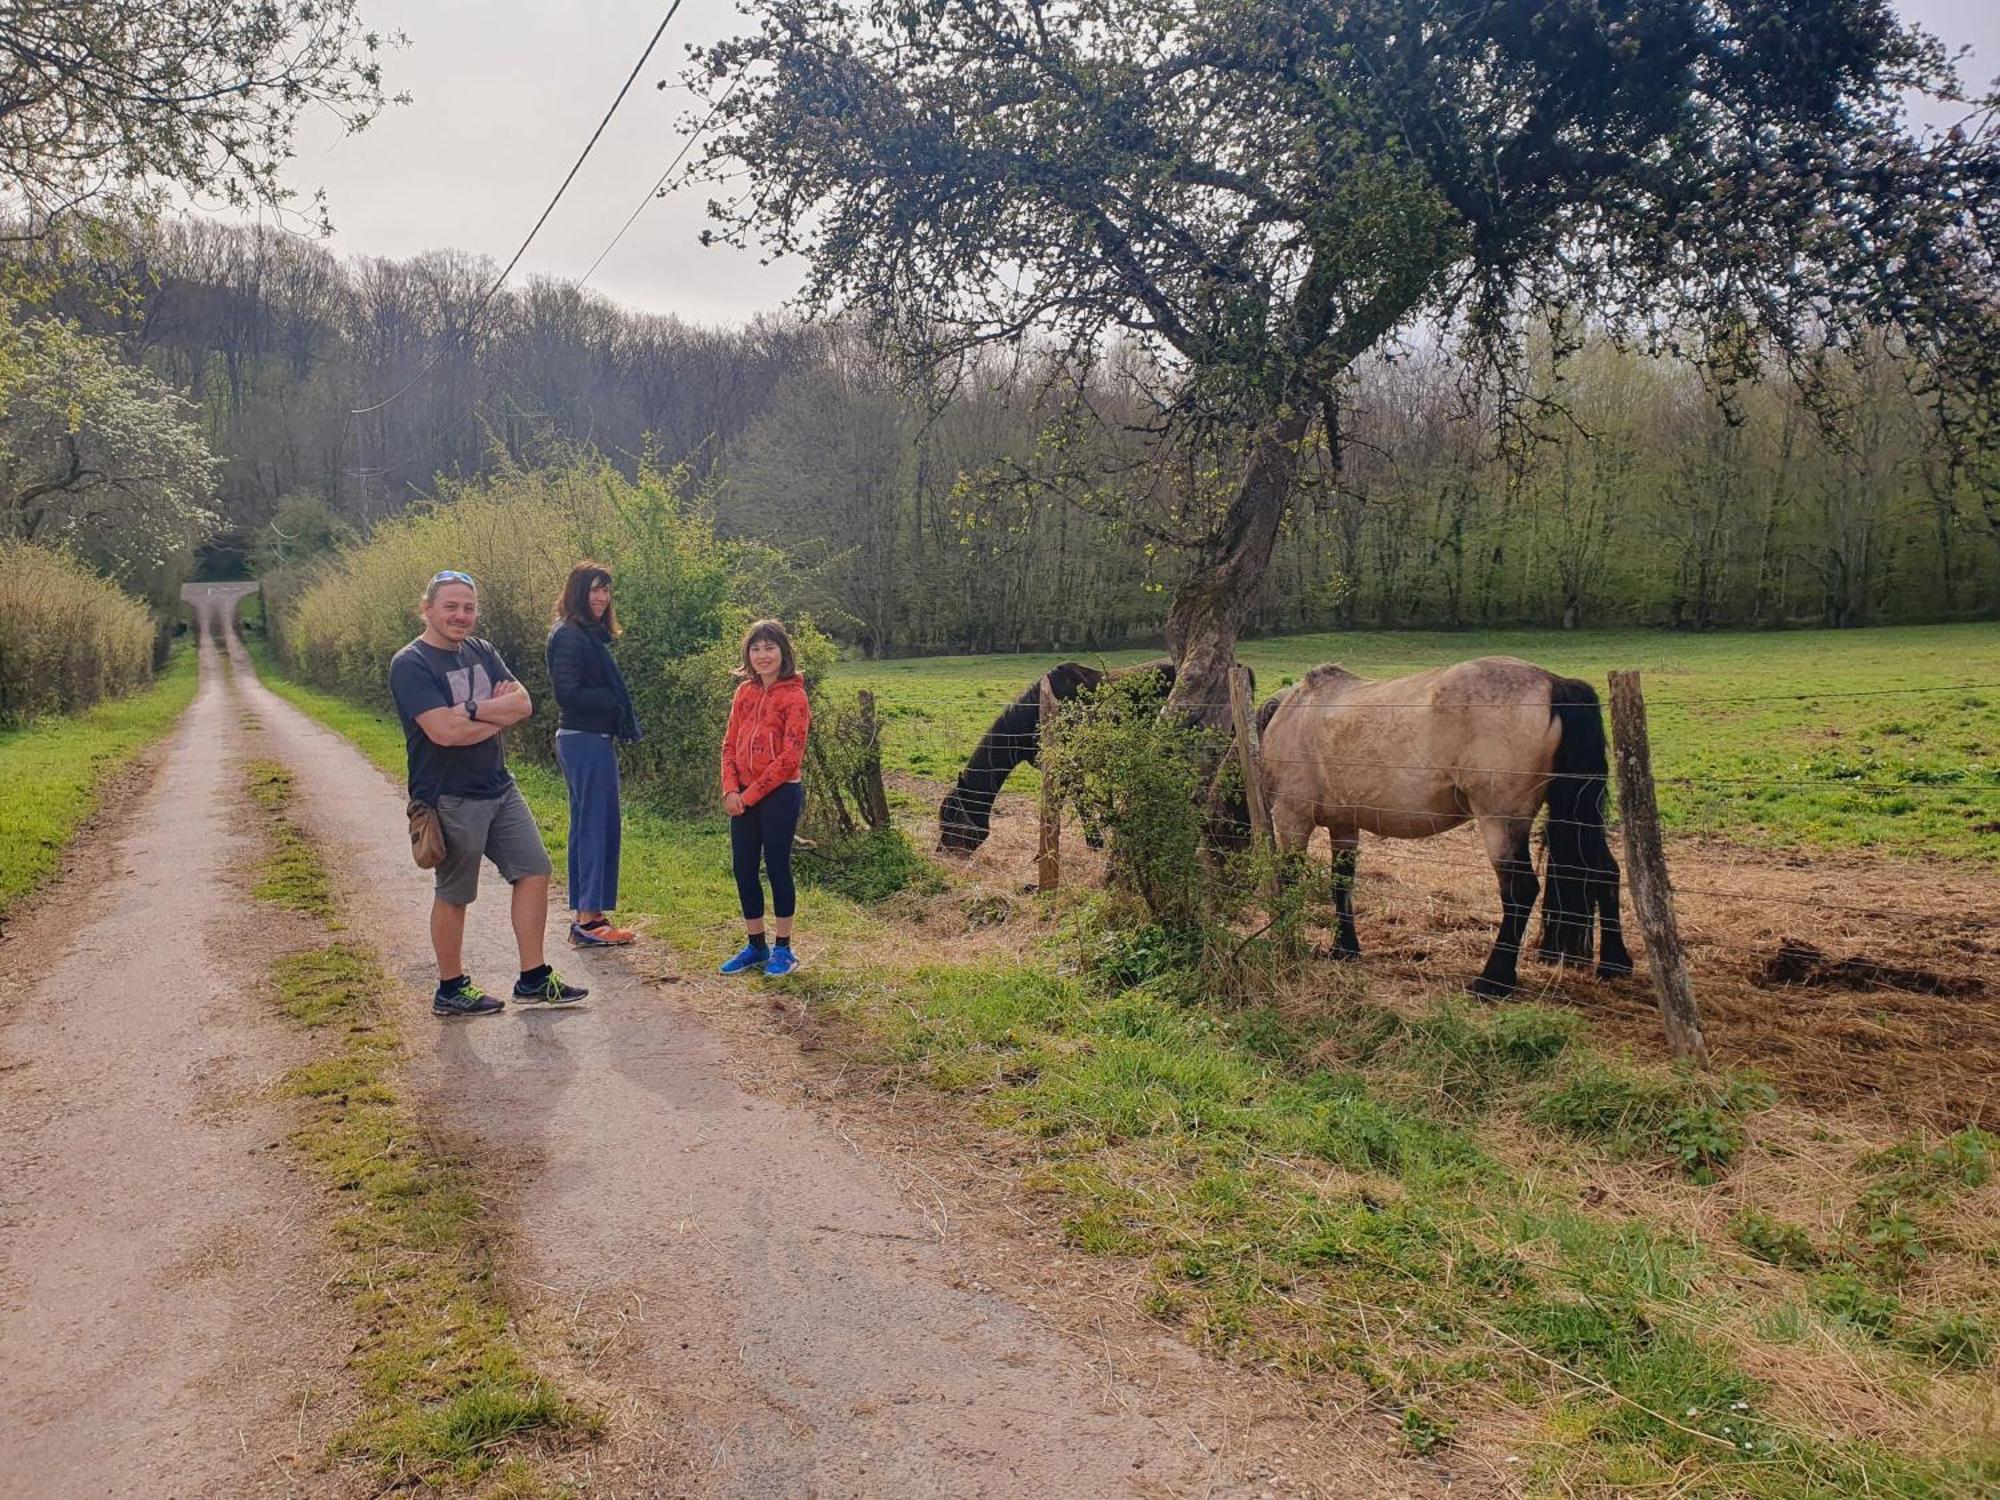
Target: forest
[{"x": 977, "y": 509}]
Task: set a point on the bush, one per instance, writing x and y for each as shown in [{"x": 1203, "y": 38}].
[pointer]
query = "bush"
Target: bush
[
  {"x": 684, "y": 598},
  {"x": 1145, "y": 778},
  {"x": 68, "y": 637}
]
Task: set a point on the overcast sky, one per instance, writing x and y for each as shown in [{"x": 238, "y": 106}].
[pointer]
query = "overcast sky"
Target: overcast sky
[{"x": 505, "y": 92}]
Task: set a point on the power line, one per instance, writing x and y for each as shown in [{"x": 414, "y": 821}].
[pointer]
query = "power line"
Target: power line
[
  {"x": 657, "y": 188},
  {"x": 583, "y": 156}
]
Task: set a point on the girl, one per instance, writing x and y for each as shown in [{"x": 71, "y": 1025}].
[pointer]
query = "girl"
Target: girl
[
  {"x": 761, "y": 790},
  {"x": 596, "y": 710}
]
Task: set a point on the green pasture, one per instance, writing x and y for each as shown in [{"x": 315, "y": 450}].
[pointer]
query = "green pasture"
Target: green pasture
[{"x": 1885, "y": 739}]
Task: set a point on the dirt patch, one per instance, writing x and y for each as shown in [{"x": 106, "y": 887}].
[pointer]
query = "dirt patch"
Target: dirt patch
[{"x": 1799, "y": 964}]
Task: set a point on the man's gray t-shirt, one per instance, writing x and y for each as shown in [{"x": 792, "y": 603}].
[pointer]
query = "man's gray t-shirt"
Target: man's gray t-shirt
[{"x": 423, "y": 677}]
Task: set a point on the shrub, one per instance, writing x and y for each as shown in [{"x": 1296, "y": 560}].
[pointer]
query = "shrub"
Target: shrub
[
  {"x": 684, "y": 598},
  {"x": 1144, "y": 777},
  {"x": 68, "y": 637}
]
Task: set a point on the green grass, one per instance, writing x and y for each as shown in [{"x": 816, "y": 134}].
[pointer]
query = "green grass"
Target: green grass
[
  {"x": 1412, "y": 1199},
  {"x": 446, "y": 1388},
  {"x": 53, "y": 771},
  {"x": 1755, "y": 736},
  {"x": 1366, "y": 1211}
]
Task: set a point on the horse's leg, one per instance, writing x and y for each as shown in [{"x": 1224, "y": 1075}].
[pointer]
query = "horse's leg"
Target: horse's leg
[
  {"x": 1346, "y": 852},
  {"x": 1292, "y": 831},
  {"x": 1506, "y": 842},
  {"x": 1612, "y": 959}
]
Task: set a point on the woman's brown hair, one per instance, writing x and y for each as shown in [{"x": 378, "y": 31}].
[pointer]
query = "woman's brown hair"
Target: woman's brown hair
[
  {"x": 772, "y": 631},
  {"x": 573, "y": 607}
]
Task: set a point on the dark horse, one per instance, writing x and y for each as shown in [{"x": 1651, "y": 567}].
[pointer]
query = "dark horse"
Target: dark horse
[
  {"x": 1489, "y": 742},
  {"x": 965, "y": 817}
]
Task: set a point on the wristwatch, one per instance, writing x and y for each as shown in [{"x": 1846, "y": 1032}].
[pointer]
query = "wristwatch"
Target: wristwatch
[{"x": 472, "y": 709}]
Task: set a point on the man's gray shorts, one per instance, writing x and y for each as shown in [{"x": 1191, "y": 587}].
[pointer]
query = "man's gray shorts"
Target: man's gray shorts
[{"x": 497, "y": 828}]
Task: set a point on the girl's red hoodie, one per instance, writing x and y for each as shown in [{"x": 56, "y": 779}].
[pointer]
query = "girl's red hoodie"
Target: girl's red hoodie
[{"x": 766, "y": 741}]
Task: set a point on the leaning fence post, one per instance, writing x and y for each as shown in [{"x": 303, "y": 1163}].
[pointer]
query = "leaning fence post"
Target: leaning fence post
[
  {"x": 1262, "y": 839},
  {"x": 1646, "y": 870},
  {"x": 1048, "y": 856}
]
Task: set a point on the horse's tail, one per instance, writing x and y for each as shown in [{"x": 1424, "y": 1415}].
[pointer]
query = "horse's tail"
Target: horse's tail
[{"x": 1582, "y": 875}]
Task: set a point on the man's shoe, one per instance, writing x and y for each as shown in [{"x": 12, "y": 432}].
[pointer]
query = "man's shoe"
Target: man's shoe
[
  {"x": 782, "y": 961},
  {"x": 551, "y": 992},
  {"x": 752, "y": 957},
  {"x": 603, "y": 935},
  {"x": 467, "y": 1000}
]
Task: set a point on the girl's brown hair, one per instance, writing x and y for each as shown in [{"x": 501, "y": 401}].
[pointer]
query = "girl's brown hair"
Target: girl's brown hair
[
  {"x": 573, "y": 606},
  {"x": 772, "y": 631}
]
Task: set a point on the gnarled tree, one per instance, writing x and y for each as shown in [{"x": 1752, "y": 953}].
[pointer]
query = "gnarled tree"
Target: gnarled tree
[{"x": 1262, "y": 191}]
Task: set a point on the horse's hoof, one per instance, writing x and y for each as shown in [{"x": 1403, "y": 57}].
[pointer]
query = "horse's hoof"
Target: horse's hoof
[
  {"x": 1615, "y": 970},
  {"x": 1488, "y": 988}
]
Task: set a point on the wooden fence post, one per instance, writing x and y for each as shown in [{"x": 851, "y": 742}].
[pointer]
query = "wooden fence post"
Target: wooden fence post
[
  {"x": 868, "y": 789},
  {"x": 1646, "y": 871},
  {"x": 1048, "y": 857},
  {"x": 1262, "y": 838}
]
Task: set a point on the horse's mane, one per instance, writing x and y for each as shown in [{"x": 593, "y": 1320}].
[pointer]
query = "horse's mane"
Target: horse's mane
[
  {"x": 1015, "y": 733},
  {"x": 1323, "y": 675},
  {"x": 1329, "y": 672}
]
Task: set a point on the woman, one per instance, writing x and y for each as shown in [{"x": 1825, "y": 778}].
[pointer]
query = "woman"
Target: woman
[
  {"x": 596, "y": 711},
  {"x": 762, "y": 751}
]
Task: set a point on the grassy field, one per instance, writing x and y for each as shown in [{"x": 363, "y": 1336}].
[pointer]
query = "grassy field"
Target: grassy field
[
  {"x": 1618, "y": 1277},
  {"x": 52, "y": 772},
  {"x": 1881, "y": 739}
]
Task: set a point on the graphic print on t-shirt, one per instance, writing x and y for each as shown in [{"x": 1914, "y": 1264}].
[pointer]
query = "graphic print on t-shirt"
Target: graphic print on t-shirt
[{"x": 473, "y": 684}]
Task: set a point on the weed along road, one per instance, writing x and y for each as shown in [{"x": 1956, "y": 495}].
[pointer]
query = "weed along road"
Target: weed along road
[{"x": 754, "y": 1305}]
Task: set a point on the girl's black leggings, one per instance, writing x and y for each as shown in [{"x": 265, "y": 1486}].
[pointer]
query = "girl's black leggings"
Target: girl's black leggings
[{"x": 766, "y": 829}]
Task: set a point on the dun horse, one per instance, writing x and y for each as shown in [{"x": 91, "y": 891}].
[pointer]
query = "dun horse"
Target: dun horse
[
  {"x": 1487, "y": 741},
  {"x": 966, "y": 815}
]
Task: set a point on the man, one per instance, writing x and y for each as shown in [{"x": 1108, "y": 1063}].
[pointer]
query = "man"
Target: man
[{"x": 456, "y": 698}]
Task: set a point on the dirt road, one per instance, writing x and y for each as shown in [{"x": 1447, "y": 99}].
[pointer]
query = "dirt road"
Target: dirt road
[
  {"x": 763, "y": 1307},
  {"x": 164, "y": 1325}
]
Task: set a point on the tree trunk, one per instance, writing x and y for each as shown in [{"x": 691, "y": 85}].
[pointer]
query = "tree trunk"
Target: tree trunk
[{"x": 1212, "y": 603}]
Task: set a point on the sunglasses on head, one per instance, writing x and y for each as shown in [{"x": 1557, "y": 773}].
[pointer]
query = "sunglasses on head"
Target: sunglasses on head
[{"x": 453, "y": 575}]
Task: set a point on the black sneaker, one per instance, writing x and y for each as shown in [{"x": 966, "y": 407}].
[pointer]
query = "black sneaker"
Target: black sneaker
[
  {"x": 551, "y": 991},
  {"x": 467, "y": 1000}
]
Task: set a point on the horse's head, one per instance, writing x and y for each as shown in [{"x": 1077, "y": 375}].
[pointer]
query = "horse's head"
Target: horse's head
[{"x": 964, "y": 820}]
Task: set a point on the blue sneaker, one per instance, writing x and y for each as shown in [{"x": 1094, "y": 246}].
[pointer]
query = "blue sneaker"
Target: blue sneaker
[
  {"x": 782, "y": 960},
  {"x": 750, "y": 958}
]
